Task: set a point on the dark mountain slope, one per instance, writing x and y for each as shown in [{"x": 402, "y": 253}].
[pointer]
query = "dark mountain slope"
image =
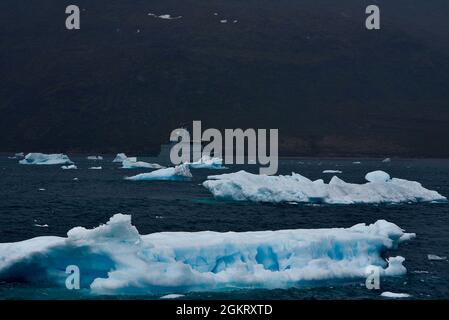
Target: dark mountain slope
[{"x": 306, "y": 67}]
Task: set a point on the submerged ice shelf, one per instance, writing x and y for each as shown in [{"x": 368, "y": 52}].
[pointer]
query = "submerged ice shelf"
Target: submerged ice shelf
[
  {"x": 115, "y": 259},
  {"x": 380, "y": 188}
]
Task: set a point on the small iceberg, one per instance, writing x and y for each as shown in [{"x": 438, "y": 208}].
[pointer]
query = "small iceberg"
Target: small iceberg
[
  {"x": 45, "y": 159},
  {"x": 116, "y": 259},
  {"x": 332, "y": 171},
  {"x": 95, "y": 158},
  {"x": 434, "y": 257},
  {"x": 178, "y": 173},
  {"x": 172, "y": 296},
  {"x": 120, "y": 157},
  {"x": 386, "y": 160},
  {"x": 95, "y": 168},
  {"x": 128, "y": 164},
  {"x": 388, "y": 294},
  {"x": 164, "y": 16},
  {"x": 207, "y": 162},
  {"x": 69, "y": 167},
  {"x": 380, "y": 188},
  {"x": 41, "y": 225},
  {"x": 19, "y": 155}
]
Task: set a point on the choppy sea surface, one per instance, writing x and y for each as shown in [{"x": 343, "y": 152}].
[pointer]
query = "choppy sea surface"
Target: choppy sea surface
[{"x": 34, "y": 196}]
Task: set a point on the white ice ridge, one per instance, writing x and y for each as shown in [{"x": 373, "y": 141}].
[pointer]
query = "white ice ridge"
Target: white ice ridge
[
  {"x": 120, "y": 157},
  {"x": 380, "y": 188},
  {"x": 115, "y": 259},
  {"x": 178, "y": 173},
  {"x": 207, "y": 162},
  {"x": 45, "y": 159},
  {"x": 129, "y": 164}
]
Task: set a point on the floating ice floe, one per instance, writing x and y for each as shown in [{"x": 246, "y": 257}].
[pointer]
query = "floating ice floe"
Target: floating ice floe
[
  {"x": 164, "y": 16},
  {"x": 434, "y": 257},
  {"x": 120, "y": 157},
  {"x": 69, "y": 167},
  {"x": 224, "y": 21},
  {"x": 178, "y": 173},
  {"x": 95, "y": 168},
  {"x": 96, "y": 158},
  {"x": 45, "y": 159},
  {"x": 244, "y": 186},
  {"x": 332, "y": 171},
  {"x": 207, "y": 162},
  {"x": 393, "y": 295},
  {"x": 172, "y": 296},
  {"x": 17, "y": 156},
  {"x": 116, "y": 259},
  {"x": 41, "y": 225},
  {"x": 128, "y": 164}
]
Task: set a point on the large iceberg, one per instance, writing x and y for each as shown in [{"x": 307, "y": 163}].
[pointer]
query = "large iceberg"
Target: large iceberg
[
  {"x": 128, "y": 164},
  {"x": 244, "y": 186},
  {"x": 207, "y": 162},
  {"x": 115, "y": 259},
  {"x": 178, "y": 173},
  {"x": 45, "y": 159}
]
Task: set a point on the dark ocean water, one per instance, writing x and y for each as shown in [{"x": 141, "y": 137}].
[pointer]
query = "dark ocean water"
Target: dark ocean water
[{"x": 187, "y": 206}]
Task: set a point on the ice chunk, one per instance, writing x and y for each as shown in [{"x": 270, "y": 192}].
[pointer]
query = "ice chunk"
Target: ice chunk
[
  {"x": 116, "y": 259},
  {"x": 95, "y": 168},
  {"x": 45, "y": 159},
  {"x": 386, "y": 160},
  {"x": 207, "y": 162},
  {"x": 393, "y": 295},
  {"x": 69, "y": 167},
  {"x": 172, "y": 296},
  {"x": 244, "y": 186},
  {"x": 434, "y": 257},
  {"x": 17, "y": 156},
  {"x": 128, "y": 164},
  {"x": 120, "y": 157},
  {"x": 41, "y": 225},
  {"x": 377, "y": 176},
  {"x": 164, "y": 16},
  {"x": 96, "y": 158},
  {"x": 178, "y": 173},
  {"x": 332, "y": 171}
]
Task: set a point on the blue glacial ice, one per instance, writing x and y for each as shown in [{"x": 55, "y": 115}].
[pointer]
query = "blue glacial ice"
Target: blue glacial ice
[
  {"x": 129, "y": 164},
  {"x": 115, "y": 259},
  {"x": 380, "y": 188},
  {"x": 178, "y": 173},
  {"x": 207, "y": 162},
  {"x": 45, "y": 159}
]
